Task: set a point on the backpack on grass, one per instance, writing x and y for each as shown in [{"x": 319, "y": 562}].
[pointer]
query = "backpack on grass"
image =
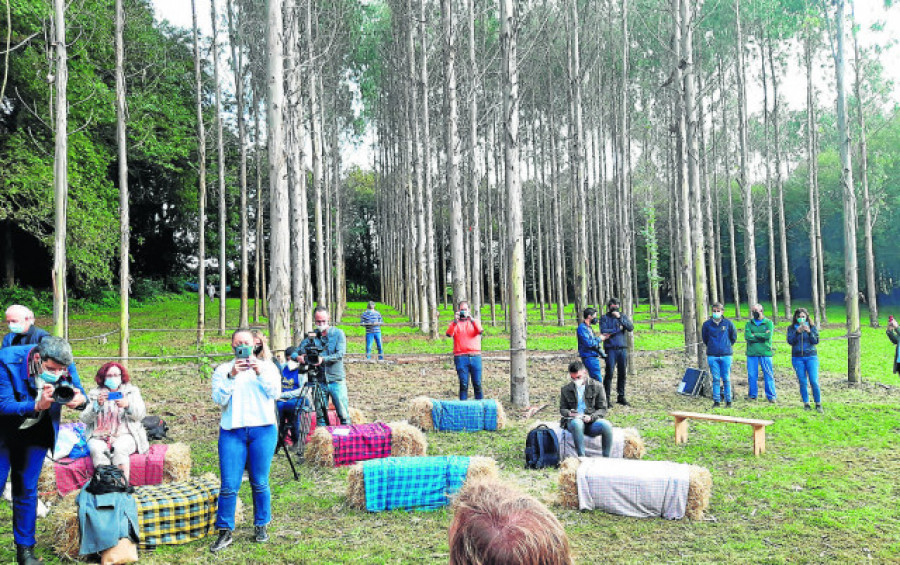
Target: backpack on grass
[
  {"x": 541, "y": 448},
  {"x": 156, "y": 427}
]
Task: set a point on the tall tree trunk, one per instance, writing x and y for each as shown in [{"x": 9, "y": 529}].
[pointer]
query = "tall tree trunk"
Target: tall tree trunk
[
  {"x": 851, "y": 282},
  {"x": 770, "y": 223},
  {"x": 122, "y": 144},
  {"x": 580, "y": 260},
  {"x": 743, "y": 178},
  {"x": 475, "y": 230},
  {"x": 427, "y": 188},
  {"x": 316, "y": 134},
  {"x": 340, "y": 272},
  {"x": 451, "y": 147},
  {"x": 732, "y": 246},
  {"x": 237, "y": 62},
  {"x": 257, "y": 251},
  {"x": 220, "y": 147},
  {"x": 518, "y": 369},
  {"x": 811, "y": 160},
  {"x": 60, "y": 174},
  {"x": 279, "y": 298},
  {"x": 779, "y": 186},
  {"x": 871, "y": 289},
  {"x": 558, "y": 266},
  {"x": 491, "y": 263},
  {"x": 201, "y": 184}
]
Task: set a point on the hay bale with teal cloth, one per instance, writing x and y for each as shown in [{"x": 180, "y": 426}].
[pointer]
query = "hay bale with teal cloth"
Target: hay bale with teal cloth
[
  {"x": 424, "y": 483},
  {"x": 457, "y": 415}
]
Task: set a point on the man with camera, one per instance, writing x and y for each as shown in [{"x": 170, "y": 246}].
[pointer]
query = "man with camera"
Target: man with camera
[
  {"x": 466, "y": 333},
  {"x": 589, "y": 345},
  {"x": 613, "y": 325},
  {"x": 324, "y": 350},
  {"x": 22, "y": 330},
  {"x": 36, "y": 381}
]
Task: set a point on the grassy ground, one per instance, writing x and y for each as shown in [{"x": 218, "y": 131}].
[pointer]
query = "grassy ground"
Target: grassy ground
[{"x": 825, "y": 490}]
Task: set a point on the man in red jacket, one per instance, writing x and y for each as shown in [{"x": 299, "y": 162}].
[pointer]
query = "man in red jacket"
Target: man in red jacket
[{"x": 466, "y": 333}]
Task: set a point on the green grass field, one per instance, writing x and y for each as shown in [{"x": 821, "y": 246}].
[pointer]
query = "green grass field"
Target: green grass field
[{"x": 825, "y": 490}]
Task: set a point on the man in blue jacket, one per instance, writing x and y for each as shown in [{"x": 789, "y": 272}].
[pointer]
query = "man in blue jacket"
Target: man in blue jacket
[
  {"x": 719, "y": 335},
  {"x": 333, "y": 345},
  {"x": 613, "y": 326},
  {"x": 29, "y": 422},
  {"x": 22, "y": 330},
  {"x": 589, "y": 345}
]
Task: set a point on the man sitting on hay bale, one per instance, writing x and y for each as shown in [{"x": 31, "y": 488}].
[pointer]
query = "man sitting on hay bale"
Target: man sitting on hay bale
[{"x": 582, "y": 404}]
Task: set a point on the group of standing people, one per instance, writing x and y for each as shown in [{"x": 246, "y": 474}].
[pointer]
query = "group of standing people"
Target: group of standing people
[{"x": 719, "y": 336}]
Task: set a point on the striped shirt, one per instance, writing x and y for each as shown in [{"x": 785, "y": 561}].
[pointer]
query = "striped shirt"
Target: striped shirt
[{"x": 372, "y": 320}]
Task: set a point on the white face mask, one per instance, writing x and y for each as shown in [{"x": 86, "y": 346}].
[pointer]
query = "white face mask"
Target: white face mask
[
  {"x": 292, "y": 365},
  {"x": 16, "y": 328}
]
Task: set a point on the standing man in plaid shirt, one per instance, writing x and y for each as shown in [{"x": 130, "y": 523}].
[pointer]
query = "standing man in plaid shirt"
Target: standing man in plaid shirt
[
  {"x": 372, "y": 320},
  {"x": 466, "y": 333}
]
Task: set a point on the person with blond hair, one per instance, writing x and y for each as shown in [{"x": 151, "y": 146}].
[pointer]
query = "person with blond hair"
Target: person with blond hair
[{"x": 496, "y": 524}]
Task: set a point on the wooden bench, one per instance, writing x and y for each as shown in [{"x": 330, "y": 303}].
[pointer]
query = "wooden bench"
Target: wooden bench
[{"x": 759, "y": 427}]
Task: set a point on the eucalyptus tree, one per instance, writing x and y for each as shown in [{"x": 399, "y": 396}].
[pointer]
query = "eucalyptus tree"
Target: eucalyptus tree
[
  {"x": 743, "y": 177},
  {"x": 221, "y": 168},
  {"x": 122, "y": 146},
  {"x": 60, "y": 171},
  {"x": 201, "y": 182},
  {"x": 452, "y": 150}
]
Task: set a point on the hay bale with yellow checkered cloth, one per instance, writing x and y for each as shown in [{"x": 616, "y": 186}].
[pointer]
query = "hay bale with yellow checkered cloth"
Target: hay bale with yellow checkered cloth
[
  {"x": 635, "y": 488},
  {"x": 168, "y": 514}
]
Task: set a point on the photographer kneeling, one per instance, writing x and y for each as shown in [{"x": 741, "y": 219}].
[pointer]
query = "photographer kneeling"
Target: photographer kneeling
[
  {"x": 245, "y": 389},
  {"x": 328, "y": 345},
  {"x": 582, "y": 404}
]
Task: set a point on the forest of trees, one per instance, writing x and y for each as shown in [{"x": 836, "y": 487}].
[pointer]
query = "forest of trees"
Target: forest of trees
[{"x": 557, "y": 153}]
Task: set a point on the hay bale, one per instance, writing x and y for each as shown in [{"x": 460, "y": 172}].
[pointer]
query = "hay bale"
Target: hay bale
[
  {"x": 407, "y": 440},
  {"x": 320, "y": 448},
  {"x": 356, "y": 487},
  {"x": 634, "y": 445},
  {"x": 177, "y": 464},
  {"x": 482, "y": 467},
  {"x": 358, "y": 417},
  {"x": 62, "y": 523},
  {"x": 420, "y": 413},
  {"x": 501, "y": 416},
  {"x": 47, "y": 481},
  {"x": 568, "y": 483},
  {"x": 698, "y": 492}
]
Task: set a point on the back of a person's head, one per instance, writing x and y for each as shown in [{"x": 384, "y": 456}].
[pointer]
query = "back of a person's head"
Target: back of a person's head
[{"x": 496, "y": 524}]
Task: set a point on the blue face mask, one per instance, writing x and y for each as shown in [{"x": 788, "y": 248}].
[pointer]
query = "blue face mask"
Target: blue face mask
[
  {"x": 801, "y": 321},
  {"x": 17, "y": 328},
  {"x": 49, "y": 377},
  {"x": 717, "y": 315},
  {"x": 113, "y": 383}
]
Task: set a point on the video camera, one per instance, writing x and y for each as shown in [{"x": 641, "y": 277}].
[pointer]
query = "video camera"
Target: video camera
[{"x": 312, "y": 353}]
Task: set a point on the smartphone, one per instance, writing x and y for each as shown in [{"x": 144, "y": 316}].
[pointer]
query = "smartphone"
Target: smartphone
[
  {"x": 243, "y": 351},
  {"x": 115, "y": 395}
]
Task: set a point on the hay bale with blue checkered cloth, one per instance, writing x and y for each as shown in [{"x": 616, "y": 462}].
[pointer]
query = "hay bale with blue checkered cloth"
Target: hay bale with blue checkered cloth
[
  {"x": 408, "y": 483},
  {"x": 168, "y": 514},
  {"x": 635, "y": 488},
  {"x": 456, "y": 415}
]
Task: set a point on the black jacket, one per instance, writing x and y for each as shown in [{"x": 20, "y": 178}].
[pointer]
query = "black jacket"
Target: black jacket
[{"x": 594, "y": 401}]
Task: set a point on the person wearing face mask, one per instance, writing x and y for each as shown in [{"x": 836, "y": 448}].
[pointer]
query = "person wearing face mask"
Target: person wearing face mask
[
  {"x": 758, "y": 335},
  {"x": 333, "y": 344},
  {"x": 22, "y": 330},
  {"x": 261, "y": 348},
  {"x": 245, "y": 388},
  {"x": 290, "y": 401},
  {"x": 466, "y": 333},
  {"x": 113, "y": 417},
  {"x": 719, "y": 335},
  {"x": 803, "y": 337},
  {"x": 613, "y": 326},
  {"x": 29, "y": 423},
  {"x": 590, "y": 346},
  {"x": 582, "y": 405}
]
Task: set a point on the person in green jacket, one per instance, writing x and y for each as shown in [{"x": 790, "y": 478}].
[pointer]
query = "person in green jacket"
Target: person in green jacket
[{"x": 758, "y": 335}]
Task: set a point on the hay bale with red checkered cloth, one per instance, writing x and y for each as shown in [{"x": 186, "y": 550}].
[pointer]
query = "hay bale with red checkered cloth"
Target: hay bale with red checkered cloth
[{"x": 335, "y": 446}]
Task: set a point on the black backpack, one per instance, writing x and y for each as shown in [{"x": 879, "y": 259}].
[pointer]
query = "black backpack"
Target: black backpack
[
  {"x": 108, "y": 478},
  {"x": 156, "y": 427},
  {"x": 541, "y": 448}
]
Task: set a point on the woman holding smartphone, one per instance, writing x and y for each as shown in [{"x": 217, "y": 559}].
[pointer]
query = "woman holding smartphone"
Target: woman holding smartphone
[
  {"x": 246, "y": 388},
  {"x": 803, "y": 337},
  {"x": 113, "y": 416}
]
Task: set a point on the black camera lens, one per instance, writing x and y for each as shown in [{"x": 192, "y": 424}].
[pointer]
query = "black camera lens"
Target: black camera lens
[{"x": 63, "y": 394}]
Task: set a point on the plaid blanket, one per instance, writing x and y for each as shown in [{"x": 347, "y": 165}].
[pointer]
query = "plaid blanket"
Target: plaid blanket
[
  {"x": 629, "y": 487},
  {"x": 464, "y": 415},
  {"x": 413, "y": 482},
  {"x": 146, "y": 469},
  {"x": 359, "y": 443},
  {"x": 176, "y": 513},
  {"x": 593, "y": 446}
]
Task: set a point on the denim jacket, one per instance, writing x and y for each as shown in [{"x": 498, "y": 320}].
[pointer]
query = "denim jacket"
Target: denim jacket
[
  {"x": 334, "y": 347},
  {"x": 803, "y": 344}
]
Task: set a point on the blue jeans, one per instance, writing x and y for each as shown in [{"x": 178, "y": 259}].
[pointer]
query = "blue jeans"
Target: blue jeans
[
  {"x": 808, "y": 367},
  {"x": 579, "y": 429},
  {"x": 616, "y": 359},
  {"x": 25, "y": 462},
  {"x": 338, "y": 392},
  {"x": 252, "y": 448},
  {"x": 289, "y": 415},
  {"x": 376, "y": 337},
  {"x": 720, "y": 369},
  {"x": 754, "y": 365},
  {"x": 467, "y": 365},
  {"x": 592, "y": 364}
]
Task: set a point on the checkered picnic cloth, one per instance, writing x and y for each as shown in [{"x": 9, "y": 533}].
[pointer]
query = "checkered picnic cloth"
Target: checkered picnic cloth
[
  {"x": 464, "y": 415},
  {"x": 359, "y": 443},
  {"x": 630, "y": 487},
  {"x": 176, "y": 513},
  {"x": 413, "y": 482},
  {"x": 146, "y": 469},
  {"x": 593, "y": 446}
]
